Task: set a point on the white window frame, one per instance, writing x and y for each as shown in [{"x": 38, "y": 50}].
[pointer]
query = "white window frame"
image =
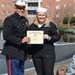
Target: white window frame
[
  {"x": 3, "y": 12},
  {"x": 48, "y": 4},
  {"x": 57, "y": 6},
  {"x": 64, "y": 5},
  {"x": 74, "y": 14},
  {"x": 3, "y": 4},
  {"x": 57, "y": 0},
  {"x": 48, "y": 12},
  {"x": 57, "y": 14},
  {"x": 9, "y": 5},
  {"x": 9, "y": 12}
]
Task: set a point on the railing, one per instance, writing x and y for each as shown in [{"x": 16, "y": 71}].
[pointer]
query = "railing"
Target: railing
[
  {"x": 32, "y": 8},
  {"x": 34, "y": 0},
  {"x": 31, "y": 15}
]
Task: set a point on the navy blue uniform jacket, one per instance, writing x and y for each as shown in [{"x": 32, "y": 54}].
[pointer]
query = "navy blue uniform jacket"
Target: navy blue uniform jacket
[
  {"x": 14, "y": 29},
  {"x": 48, "y": 46}
]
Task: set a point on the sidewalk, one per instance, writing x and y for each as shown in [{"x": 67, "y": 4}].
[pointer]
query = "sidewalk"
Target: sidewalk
[{"x": 57, "y": 65}]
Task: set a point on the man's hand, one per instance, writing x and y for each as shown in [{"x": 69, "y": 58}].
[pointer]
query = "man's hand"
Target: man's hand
[{"x": 26, "y": 39}]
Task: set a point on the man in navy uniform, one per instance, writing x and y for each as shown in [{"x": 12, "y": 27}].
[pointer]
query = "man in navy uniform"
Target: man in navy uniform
[{"x": 14, "y": 34}]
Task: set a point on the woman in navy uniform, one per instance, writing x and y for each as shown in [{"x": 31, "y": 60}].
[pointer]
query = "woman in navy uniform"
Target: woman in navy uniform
[
  {"x": 14, "y": 34},
  {"x": 44, "y": 54}
]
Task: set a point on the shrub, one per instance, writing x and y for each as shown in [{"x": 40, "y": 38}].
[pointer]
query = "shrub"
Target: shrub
[
  {"x": 66, "y": 19},
  {"x": 1, "y": 24},
  {"x": 62, "y": 27},
  {"x": 72, "y": 20}
]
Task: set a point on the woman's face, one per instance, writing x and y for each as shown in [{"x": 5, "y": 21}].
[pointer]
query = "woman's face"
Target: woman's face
[{"x": 41, "y": 16}]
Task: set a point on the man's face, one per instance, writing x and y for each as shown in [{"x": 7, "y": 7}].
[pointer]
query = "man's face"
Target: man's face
[{"x": 20, "y": 11}]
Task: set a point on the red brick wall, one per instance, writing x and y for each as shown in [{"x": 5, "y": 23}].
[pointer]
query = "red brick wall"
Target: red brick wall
[
  {"x": 6, "y": 8},
  {"x": 52, "y": 8}
]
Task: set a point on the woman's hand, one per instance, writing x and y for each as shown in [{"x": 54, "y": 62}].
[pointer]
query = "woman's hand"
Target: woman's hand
[{"x": 46, "y": 36}]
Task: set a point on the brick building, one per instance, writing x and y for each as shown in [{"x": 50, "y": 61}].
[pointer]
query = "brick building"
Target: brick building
[
  {"x": 56, "y": 8},
  {"x": 6, "y": 8}
]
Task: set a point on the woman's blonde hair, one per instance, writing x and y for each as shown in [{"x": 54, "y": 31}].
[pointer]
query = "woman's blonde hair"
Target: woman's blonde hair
[{"x": 36, "y": 22}]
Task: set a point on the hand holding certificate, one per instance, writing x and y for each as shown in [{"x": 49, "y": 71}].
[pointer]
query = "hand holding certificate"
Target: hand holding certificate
[{"x": 36, "y": 37}]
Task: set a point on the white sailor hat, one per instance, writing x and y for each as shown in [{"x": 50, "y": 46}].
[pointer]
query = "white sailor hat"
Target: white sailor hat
[
  {"x": 41, "y": 9},
  {"x": 20, "y": 4}
]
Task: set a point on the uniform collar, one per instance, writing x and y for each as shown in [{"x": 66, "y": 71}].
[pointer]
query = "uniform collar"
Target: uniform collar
[{"x": 18, "y": 16}]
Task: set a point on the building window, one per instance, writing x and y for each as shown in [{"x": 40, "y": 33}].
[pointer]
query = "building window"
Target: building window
[
  {"x": 0, "y": 19},
  {"x": 57, "y": 6},
  {"x": 69, "y": 12},
  {"x": 3, "y": 12},
  {"x": 48, "y": 5},
  {"x": 3, "y": 4},
  {"x": 9, "y": 12},
  {"x": 74, "y": 7},
  {"x": 74, "y": 14},
  {"x": 57, "y": 0},
  {"x": 48, "y": 12},
  {"x": 64, "y": 5},
  {"x": 9, "y": 5},
  {"x": 57, "y": 14},
  {"x": 69, "y": 5},
  {"x": 32, "y": 5},
  {"x": 31, "y": 12}
]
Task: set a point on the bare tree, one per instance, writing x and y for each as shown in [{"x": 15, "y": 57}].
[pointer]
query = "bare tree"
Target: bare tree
[
  {"x": 59, "y": 16},
  {"x": 63, "y": 12},
  {"x": 69, "y": 12}
]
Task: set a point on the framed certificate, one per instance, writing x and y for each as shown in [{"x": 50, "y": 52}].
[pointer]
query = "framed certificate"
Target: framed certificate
[{"x": 36, "y": 37}]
